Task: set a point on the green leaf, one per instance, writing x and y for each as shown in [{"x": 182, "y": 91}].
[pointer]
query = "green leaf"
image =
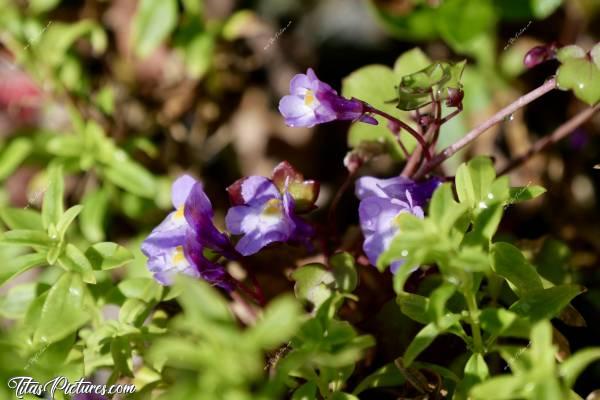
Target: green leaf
[
  {"x": 444, "y": 210},
  {"x": 146, "y": 289},
  {"x": 13, "y": 155},
  {"x": 476, "y": 370},
  {"x": 25, "y": 237},
  {"x": 16, "y": 266},
  {"x": 95, "y": 205},
  {"x": 545, "y": 303},
  {"x": 437, "y": 301},
  {"x": 108, "y": 255},
  {"x": 312, "y": 283},
  {"x": 307, "y": 391},
  {"x": 508, "y": 262},
  {"x": 343, "y": 396},
  {"x": 131, "y": 177},
  {"x": 574, "y": 365},
  {"x": 65, "y": 303},
  {"x": 501, "y": 322},
  {"x": 14, "y": 304},
  {"x": 21, "y": 218},
  {"x": 74, "y": 260},
  {"x": 52, "y": 208},
  {"x": 59, "y": 37},
  {"x": 415, "y": 90},
  {"x": 133, "y": 311},
  {"x": 199, "y": 54},
  {"x": 387, "y": 376},
  {"x": 524, "y": 193},
  {"x": 461, "y": 23},
  {"x": 426, "y": 336},
  {"x": 152, "y": 24},
  {"x": 502, "y": 387},
  {"x": 279, "y": 323},
  {"x": 415, "y": 307},
  {"x": 474, "y": 181},
  {"x": 195, "y": 292},
  {"x": 40, "y": 6},
  {"x": 375, "y": 85},
  {"x": 66, "y": 219},
  {"x": 580, "y": 74},
  {"x": 344, "y": 272},
  {"x": 544, "y": 8}
]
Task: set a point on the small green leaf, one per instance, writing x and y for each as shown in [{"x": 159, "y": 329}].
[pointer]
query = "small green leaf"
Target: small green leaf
[
  {"x": 66, "y": 219},
  {"x": 16, "y": 266},
  {"x": 40, "y": 6},
  {"x": 344, "y": 272},
  {"x": 426, "y": 336},
  {"x": 92, "y": 218},
  {"x": 524, "y": 193},
  {"x": 580, "y": 74},
  {"x": 65, "y": 303},
  {"x": 375, "y": 85},
  {"x": 502, "y": 387},
  {"x": 152, "y": 24},
  {"x": 415, "y": 307},
  {"x": 416, "y": 90},
  {"x": 52, "y": 208},
  {"x": 574, "y": 365},
  {"x": 74, "y": 260},
  {"x": 544, "y": 8},
  {"x": 14, "y": 304},
  {"x": 131, "y": 177},
  {"x": 145, "y": 289},
  {"x": 21, "y": 218},
  {"x": 501, "y": 322},
  {"x": 133, "y": 311},
  {"x": 13, "y": 155},
  {"x": 387, "y": 376},
  {"x": 195, "y": 292},
  {"x": 108, "y": 255},
  {"x": 25, "y": 237},
  {"x": 437, "y": 301},
  {"x": 545, "y": 303},
  {"x": 312, "y": 283},
  {"x": 508, "y": 262},
  {"x": 278, "y": 323},
  {"x": 474, "y": 181},
  {"x": 307, "y": 391}
]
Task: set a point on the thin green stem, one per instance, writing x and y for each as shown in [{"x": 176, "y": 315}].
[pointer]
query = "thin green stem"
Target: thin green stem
[{"x": 474, "y": 321}]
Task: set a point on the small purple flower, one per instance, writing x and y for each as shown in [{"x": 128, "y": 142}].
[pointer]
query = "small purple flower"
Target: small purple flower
[
  {"x": 381, "y": 202},
  {"x": 265, "y": 212},
  {"x": 179, "y": 243},
  {"x": 313, "y": 102}
]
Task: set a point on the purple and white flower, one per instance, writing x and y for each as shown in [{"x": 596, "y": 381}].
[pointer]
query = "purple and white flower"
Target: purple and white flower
[
  {"x": 179, "y": 243},
  {"x": 381, "y": 202},
  {"x": 264, "y": 212},
  {"x": 313, "y": 102}
]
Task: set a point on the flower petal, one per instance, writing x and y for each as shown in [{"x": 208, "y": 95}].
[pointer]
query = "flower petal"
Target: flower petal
[
  {"x": 181, "y": 189},
  {"x": 258, "y": 189}
]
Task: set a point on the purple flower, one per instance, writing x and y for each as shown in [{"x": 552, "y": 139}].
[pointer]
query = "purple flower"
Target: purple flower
[
  {"x": 382, "y": 201},
  {"x": 179, "y": 243},
  {"x": 265, "y": 212},
  {"x": 313, "y": 102}
]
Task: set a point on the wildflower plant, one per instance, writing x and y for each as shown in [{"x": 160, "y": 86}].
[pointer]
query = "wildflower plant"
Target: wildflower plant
[{"x": 180, "y": 310}]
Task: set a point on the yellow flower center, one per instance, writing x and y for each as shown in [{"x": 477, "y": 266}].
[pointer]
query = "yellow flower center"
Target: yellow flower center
[
  {"x": 178, "y": 256},
  {"x": 272, "y": 207},
  {"x": 179, "y": 212},
  {"x": 309, "y": 98}
]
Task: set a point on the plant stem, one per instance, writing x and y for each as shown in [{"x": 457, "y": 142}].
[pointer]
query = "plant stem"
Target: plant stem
[
  {"x": 474, "y": 321},
  {"x": 560, "y": 133},
  {"x": 391, "y": 118},
  {"x": 449, "y": 151}
]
